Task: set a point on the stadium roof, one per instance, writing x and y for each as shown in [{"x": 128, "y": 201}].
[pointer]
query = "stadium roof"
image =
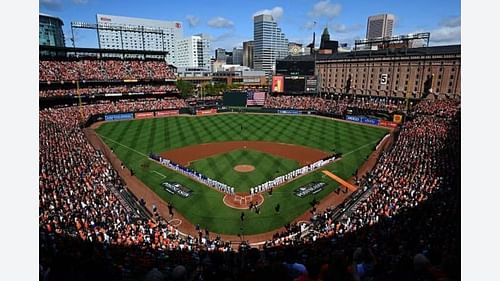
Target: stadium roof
[
  {"x": 435, "y": 50},
  {"x": 50, "y": 16}
]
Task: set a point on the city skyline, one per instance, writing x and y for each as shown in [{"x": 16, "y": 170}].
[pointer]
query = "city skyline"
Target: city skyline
[{"x": 229, "y": 27}]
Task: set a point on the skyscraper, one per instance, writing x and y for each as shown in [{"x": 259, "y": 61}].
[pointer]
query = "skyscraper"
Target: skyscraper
[
  {"x": 50, "y": 31},
  {"x": 220, "y": 55},
  {"x": 238, "y": 56},
  {"x": 163, "y": 35},
  {"x": 193, "y": 51},
  {"x": 380, "y": 26},
  {"x": 248, "y": 54},
  {"x": 270, "y": 43}
]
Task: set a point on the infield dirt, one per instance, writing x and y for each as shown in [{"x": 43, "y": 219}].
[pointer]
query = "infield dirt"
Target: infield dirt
[{"x": 303, "y": 155}]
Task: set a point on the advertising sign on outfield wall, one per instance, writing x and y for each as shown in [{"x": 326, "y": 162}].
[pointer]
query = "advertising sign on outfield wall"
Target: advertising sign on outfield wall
[
  {"x": 388, "y": 124},
  {"x": 140, "y": 115},
  {"x": 362, "y": 119},
  {"x": 206, "y": 111},
  {"x": 289, "y": 112},
  {"x": 167, "y": 112},
  {"x": 119, "y": 116}
]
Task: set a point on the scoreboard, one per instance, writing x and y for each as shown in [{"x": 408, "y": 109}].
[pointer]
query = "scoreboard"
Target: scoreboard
[{"x": 295, "y": 84}]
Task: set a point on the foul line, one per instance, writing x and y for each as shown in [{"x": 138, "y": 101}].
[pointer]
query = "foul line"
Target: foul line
[
  {"x": 138, "y": 152},
  {"x": 340, "y": 180},
  {"x": 160, "y": 174},
  {"x": 363, "y": 146}
]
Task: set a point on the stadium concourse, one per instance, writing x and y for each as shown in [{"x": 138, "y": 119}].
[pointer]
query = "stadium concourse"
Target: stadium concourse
[{"x": 404, "y": 228}]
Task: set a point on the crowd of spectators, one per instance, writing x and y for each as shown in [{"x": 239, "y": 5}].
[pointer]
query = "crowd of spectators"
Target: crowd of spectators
[
  {"x": 307, "y": 103},
  {"x": 145, "y": 104},
  {"x": 405, "y": 227},
  {"x": 80, "y": 193},
  {"x": 103, "y": 70},
  {"x": 444, "y": 108},
  {"x": 336, "y": 105},
  {"x": 96, "y": 90},
  {"x": 384, "y": 104}
]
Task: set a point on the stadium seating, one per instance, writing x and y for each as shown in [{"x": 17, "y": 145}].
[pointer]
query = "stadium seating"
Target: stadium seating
[{"x": 103, "y": 70}]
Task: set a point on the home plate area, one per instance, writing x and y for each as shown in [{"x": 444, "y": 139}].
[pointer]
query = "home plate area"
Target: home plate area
[{"x": 242, "y": 200}]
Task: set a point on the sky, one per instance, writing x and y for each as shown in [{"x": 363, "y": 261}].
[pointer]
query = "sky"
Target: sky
[{"x": 229, "y": 23}]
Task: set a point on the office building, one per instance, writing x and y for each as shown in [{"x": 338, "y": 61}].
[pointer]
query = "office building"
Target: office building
[
  {"x": 270, "y": 43},
  {"x": 139, "y": 34},
  {"x": 248, "y": 54},
  {"x": 193, "y": 52},
  {"x": 380, "y": 26},
  {"x": 238, "y": 56},
  {"x": 50, "y": 31}
]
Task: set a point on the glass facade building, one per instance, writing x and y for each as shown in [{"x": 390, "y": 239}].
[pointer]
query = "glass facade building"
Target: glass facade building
[
  {"x": 270, "y": 43},
  {"x": 50, "y": 31}
]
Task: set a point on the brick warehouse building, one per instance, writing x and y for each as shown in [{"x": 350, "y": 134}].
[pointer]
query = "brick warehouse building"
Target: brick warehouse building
[
  {"x": 392, "y": 72},
  {"x": 404, "y": 72}
]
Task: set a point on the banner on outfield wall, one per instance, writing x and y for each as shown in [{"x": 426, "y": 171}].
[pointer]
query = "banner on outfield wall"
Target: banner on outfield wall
[
  {"x": 119, "y": 116},
  {"x": 141, "y": 115},
  {"x": 397, "y": 118},
  {"x": 167, "y": 112},
  {"x": 289, "y": 112},
  {"x": 362, "y": 119},
  {"x": 206, "y": 111},
  {"x": 388, "y": 124}
]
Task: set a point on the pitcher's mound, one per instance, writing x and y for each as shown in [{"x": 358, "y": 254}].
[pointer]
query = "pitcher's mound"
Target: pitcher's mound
[{"x": 244, "y": 168}]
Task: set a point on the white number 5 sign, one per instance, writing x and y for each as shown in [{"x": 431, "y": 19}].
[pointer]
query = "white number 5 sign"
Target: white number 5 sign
[{"x": 383, "y": 78}]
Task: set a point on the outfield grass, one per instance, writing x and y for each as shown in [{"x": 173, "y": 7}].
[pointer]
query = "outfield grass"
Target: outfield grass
[
  {"x": 133, "y": 140},
  {"x": 220, "y": 167}
]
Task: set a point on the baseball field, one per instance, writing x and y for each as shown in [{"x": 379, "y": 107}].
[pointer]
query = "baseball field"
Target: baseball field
[{"x": 241, "y": 150}]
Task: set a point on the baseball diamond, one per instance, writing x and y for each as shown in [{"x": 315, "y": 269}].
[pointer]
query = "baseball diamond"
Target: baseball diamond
[{"x": 213, "y": 145}]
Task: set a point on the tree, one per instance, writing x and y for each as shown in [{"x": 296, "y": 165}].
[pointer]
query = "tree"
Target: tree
[{"x": 185, "y": 87}]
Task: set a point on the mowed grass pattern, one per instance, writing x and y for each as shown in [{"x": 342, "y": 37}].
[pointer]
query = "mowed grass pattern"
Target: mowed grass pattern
[
  {"x": 221, "y": 168},
  {"x": 133, "y": 140}
]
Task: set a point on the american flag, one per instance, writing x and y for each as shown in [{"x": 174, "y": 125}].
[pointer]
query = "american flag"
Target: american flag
[{"x": 256, "y": 98}]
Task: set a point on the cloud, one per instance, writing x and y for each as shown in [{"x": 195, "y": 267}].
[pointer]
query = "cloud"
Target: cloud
[
  {"x": 52, "y": 5},
  {"x": 448, "y": 32},
  {"x": 227, "y": 40},
  {"x": 451, "y": 22},
  {"x": 446, "y": 35},
  {"x": 342, "y": 28},
  {"x": 325, "y": 9},
  {"x": 309, "y": 25},
  {"x": 220, "y": 22},
  {"x": 276, "y": 13},
  {"x": 192, "y": 20},
  {"x": 80, "y": 2}
]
